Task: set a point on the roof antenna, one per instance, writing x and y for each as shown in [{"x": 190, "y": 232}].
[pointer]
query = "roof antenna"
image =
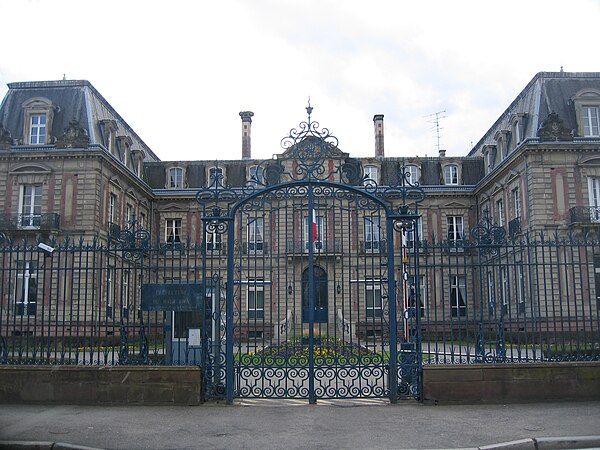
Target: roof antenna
[{"x": 436, "y": 121}]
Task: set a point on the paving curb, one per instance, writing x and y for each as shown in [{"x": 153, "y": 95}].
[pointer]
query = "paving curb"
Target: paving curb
[
  {"x": 42, "y": 445},
  {"x": 547, "y": 443}
]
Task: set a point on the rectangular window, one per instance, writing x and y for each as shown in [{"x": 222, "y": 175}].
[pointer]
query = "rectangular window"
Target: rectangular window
[
  {"x": 215, "y": 173},
  {"x": 142, "y": 220},
  {"x": 455, "y": 229},
  {"x": 413, "y": 174},
  {"x": 256, "y": 175},
  {"x": 317, "y": 230},
  {"x": 126, "y": 297},
  {"x": 256, "y": 235},
  {"x": 26, "y": 290},
  {"x": 371, "y": 176},
  {"x": 414, "y": 236},
  {"x": 591, "y": 121},
  {"x": 30, "y": 206},
  {"x": 175, "y": 178},
  {"x": 594, "y": 194},
  {"x": 110, "y": 291},
  {"x": 504, "y": 288},
  {"x": 256, "y": 300},
  {"x": 37, "y": 130},
  {"x": 173, "y": 230},
  {"x": 516, "y": 197},
  {"x": 422, "y": 294},
  {"x": 128, "y": 214},
  {"x": 214, "y": 242},
  {"x": 372, "y": 234},
  {"x": 458, "y": 307},
  {"x": 373, "y": 299},
  {"x": 451, "y": 174},
  {"x": 520, "y": 287},
  {"x": 112, "y": 208},
  {"x": 500, "y": 212}
]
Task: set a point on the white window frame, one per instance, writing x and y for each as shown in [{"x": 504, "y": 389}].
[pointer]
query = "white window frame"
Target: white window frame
[
  {"x": 413, "y": 173},
  {"x": 516, "y": 199},
  {"x": 410, "y": 235},
  {"x": 175, "y": 178},
  {"x": 256, "y": 175},
  {"x": 126, "y": 292},
  {"x": 25, "y": 275},
  {"x": 371, "y": 176},
  {"x": 451, "y": 174},
  {"x": 500, "y": 211},
  {"x": 38, "y": 129},
  {"x": 112, "y": 208},
  {"x": 128, "y": 213},
  {"x": 455, "y": 231},
  {"x": 594, "y": 198},
  {"x": 458, "y": 306},
  {"x": 173, "y": 230},
  {"x": 319, "y": 242},
  {"x": 504, "y": 286},
  {"x": 256, "y": 235},
  {"x": 591, "y": 120},
  {"x": 30, "y": 206},
  {"x": 372, "y": 232},
  {"x": 110, "y": 293},
  {"x": 255, "y": 292},
  {"x": 214, "y": 242},
  {"x": 212, "y": 171},
  {"x": 373, "y": 300}
]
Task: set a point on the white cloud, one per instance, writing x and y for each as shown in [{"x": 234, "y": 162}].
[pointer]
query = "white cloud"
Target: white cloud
[{"x": 179, "y": 72}]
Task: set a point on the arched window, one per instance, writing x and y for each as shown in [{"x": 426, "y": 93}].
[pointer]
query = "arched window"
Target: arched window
[
  {"x": 451, "y": 174},
  {"x": 175, "y": 178}
]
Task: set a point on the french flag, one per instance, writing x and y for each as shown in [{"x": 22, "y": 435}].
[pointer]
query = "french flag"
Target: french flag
[{"x": 314, "y": 226}]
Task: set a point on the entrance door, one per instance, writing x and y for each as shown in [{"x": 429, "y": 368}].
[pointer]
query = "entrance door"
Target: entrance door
[{"x": 320, "y": 308}]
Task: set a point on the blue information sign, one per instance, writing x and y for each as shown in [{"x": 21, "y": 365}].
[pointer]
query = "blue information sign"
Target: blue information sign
[{"x": 173, "y": 297}]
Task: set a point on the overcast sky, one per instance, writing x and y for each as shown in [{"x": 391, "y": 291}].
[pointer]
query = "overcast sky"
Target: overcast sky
[{"x": 179, "y": 72}]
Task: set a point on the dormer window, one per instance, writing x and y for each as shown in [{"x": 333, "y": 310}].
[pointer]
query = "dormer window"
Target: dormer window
[
  {"x": 412, "y": 172},
  {"x": 591, "y": 121},
  {"x": 517, "y": 124},
  {"x": 371, "y": 176},
  {"x": 256, "y": 175},
  {"x": 37, "y": 130},
  {"x": 175, "y": 179},
  {"x": 216, "y": 175},
  {"x": 587, "y": 112},
  {"x": 39, "y": 112},
  {"x": 451, "y": 174}
]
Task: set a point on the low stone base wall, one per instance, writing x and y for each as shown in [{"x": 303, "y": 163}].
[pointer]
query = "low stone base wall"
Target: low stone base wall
[
  {"x": 148, "y": 385},
  {"x": 511, "y": 383}
]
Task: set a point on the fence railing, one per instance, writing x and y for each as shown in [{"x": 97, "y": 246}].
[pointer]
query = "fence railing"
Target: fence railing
[{"x": 534, "y": 299}]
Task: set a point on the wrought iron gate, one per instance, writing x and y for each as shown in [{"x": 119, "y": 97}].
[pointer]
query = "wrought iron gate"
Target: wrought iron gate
[{"x": 320, "y": 296}]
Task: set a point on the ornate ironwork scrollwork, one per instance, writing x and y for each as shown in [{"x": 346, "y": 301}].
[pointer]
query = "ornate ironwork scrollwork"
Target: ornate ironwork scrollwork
[
  {"x": 488, "y": 238},
  {"x": 132, "y": 240}
]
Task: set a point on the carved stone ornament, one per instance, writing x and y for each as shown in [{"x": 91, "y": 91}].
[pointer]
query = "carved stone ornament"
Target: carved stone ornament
[
  {"x": 74, "y": 136},
  {"x": 553, "y": 129},
  {"x": 5, "y": 138}
]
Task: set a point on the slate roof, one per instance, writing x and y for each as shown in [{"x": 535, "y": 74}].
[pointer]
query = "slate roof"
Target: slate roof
[
  {"x": 547, "y": 92},
  {"x": 75, "y": 99}
]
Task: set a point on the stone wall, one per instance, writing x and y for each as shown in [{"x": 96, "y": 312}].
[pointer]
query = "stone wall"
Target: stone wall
[
  {"x": 512, "y": 383},
  {"x": 101, "y": 385}
]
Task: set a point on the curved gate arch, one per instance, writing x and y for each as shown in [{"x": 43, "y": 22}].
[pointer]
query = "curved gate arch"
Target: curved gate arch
[{"x": 310, "y": 309}]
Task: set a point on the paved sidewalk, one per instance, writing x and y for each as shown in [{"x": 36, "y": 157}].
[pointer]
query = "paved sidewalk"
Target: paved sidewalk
[{"x": 297, "y": 425}]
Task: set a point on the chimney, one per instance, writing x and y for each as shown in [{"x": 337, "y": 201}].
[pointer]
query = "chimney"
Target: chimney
[
  {"x": 246, "y": 127},
  {"x": 442, "y": 153},
  {"x": 378, "y": 122}
]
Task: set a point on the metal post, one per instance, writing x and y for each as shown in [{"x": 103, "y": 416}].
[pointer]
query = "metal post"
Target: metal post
[
  {"x": 393, "y": 375},
  {"x": 311, "y": 299},
  {"x": 229, "y": 314}
]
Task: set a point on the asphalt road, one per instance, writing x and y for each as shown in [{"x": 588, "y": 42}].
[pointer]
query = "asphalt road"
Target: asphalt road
[{"x": 297, "y": 425}]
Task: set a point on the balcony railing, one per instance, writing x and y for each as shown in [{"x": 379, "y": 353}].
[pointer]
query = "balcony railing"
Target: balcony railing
[
  {"x": 585, "y": 214},
  {"x": 373, "y": 246},
  {"x": 42, "y": 222},
  {"x": 322, "y": 247}
]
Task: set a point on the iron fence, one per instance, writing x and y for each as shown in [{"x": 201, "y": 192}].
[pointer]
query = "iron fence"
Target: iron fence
[{"x": 531, "y": 299}]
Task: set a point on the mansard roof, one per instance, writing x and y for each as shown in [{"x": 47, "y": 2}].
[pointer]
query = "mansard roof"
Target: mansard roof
[
  {"x": 72, "y": 100},
  {"x": 547, "y": 92}
]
